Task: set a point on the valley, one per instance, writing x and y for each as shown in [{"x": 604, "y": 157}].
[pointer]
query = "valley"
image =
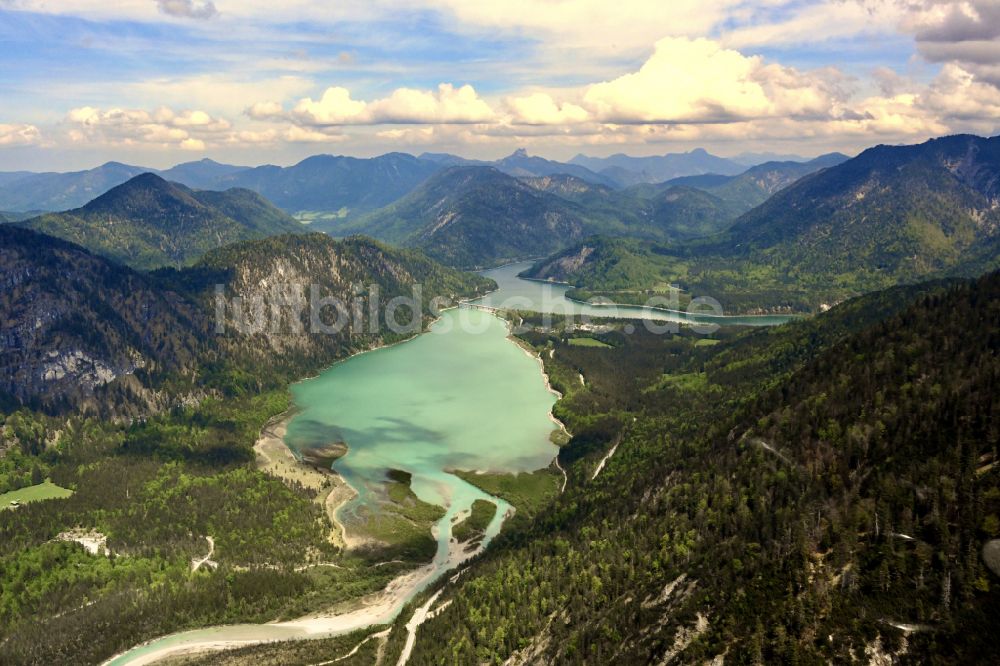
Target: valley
[{"x": 603, "y": 438}]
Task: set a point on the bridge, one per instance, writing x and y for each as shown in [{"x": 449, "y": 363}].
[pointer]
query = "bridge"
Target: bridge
[{"x": 485, "y": 308}]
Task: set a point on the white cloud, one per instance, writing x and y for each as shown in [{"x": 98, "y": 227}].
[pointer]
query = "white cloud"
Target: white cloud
[
  {"x": 541, "y": 109},
  {"x": 956, "y": 94},
  {"x": 820, "y": 21},
  {"x": 266, "y": 110},
  {"x": 218, "y": 92},
  {"x": 692, "y": 81},
  {"x": 187, "y": 8},
  {"x": 446, "y": 105},
  {"x": 963, "y": 32},
  {"x": 187, "y": 129},
  {"x": 335, "y": 107},
  {"x": 18, "y": 134}
]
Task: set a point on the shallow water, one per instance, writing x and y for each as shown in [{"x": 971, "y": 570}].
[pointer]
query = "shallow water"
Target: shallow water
[
  {"x": 537, "y": 296},
  {"x": 461, "y": 396}
]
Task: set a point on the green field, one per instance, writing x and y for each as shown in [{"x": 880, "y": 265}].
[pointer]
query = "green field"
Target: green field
[
  {"x": 42, "y": 491},
  {"x": 588, "y": 342}
]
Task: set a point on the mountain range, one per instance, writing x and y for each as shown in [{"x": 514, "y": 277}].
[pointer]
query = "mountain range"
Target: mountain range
[{"x": 333, "y": 186}]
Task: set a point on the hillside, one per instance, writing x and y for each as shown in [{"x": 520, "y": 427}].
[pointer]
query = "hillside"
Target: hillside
[
  {"x": 149, "y": 222},
  {"x": 81, "y": 332},
  {"x": 602, "y": 264},
  {"x": 910, "y": 208},
  {"x": 335, "y": 186},
  {"x": 475, "y": 216},
  {"x": 820, "y": 507},
  {"x": 61, "y": 191},
  {"x": 758, "y": 183},
  {"x": 478, "y": 216},
  {"x": 355, "y": 268}
]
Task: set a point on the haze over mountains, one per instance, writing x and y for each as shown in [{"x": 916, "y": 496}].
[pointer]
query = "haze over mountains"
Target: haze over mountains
[
  {"x": 323, "y": 182},
  {"x": 800, "y": 234}
]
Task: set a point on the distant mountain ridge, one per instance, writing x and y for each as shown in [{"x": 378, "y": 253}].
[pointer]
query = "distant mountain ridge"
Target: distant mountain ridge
[
  {"x": 149, "y": 222},
  {"x": 627, "y": 170},
  {"x": 341, "y": 185}
]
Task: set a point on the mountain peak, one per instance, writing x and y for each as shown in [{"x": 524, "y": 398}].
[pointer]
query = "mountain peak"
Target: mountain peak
[{"x": 520, "y": 152}]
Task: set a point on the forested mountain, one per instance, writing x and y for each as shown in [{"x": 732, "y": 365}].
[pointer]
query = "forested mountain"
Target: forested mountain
[
  {"x": 521, "y": 165},
  {"x": 479, "y": 216},
  {"x": 204, "y": 174},
  {"x": 474, "y": 216},
  {"x": 604, "y": 264},
  {"x": 757, "y": 184},
  {"x": 907, "y": 208},
  {"x": 814, "y": 493},
  {"x": 327, "y": 183},
  {"x": 893, "y": 214},
  {"x": 314, "y": 266},
  {"x": 83, "y": 332},
  {"x": 148, "y": 222}
]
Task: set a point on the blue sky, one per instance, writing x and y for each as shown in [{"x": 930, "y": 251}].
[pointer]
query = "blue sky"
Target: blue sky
[{"x": 162, "y": 81}]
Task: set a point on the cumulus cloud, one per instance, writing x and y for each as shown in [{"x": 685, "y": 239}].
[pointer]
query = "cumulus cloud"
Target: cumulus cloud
[
  {"x": 187, "y": 129},
  {"x": 187, "y": 8},
  {"x": 956, "y": 94},
  {"x": 19, "y": 135},
  {"x": 691, "y": 81},
  {"x": 335, "y": 107},
  {"x": 541, "y": 109},
  {"x": 446, "y": 105},
  {"x": 265, "y": 110}
]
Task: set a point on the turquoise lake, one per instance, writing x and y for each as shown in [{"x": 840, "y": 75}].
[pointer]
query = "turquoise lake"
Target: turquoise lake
[{"x": 461, "y": 396}]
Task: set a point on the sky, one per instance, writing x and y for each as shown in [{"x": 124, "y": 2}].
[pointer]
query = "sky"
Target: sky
[{"x": 157, "y": 82}]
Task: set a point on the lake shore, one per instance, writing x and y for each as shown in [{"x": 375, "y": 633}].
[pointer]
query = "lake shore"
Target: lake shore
[{"x": 332, "y": 491}]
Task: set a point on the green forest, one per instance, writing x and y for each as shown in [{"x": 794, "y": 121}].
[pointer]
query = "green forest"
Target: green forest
[{"x": 817, "y": 487}]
